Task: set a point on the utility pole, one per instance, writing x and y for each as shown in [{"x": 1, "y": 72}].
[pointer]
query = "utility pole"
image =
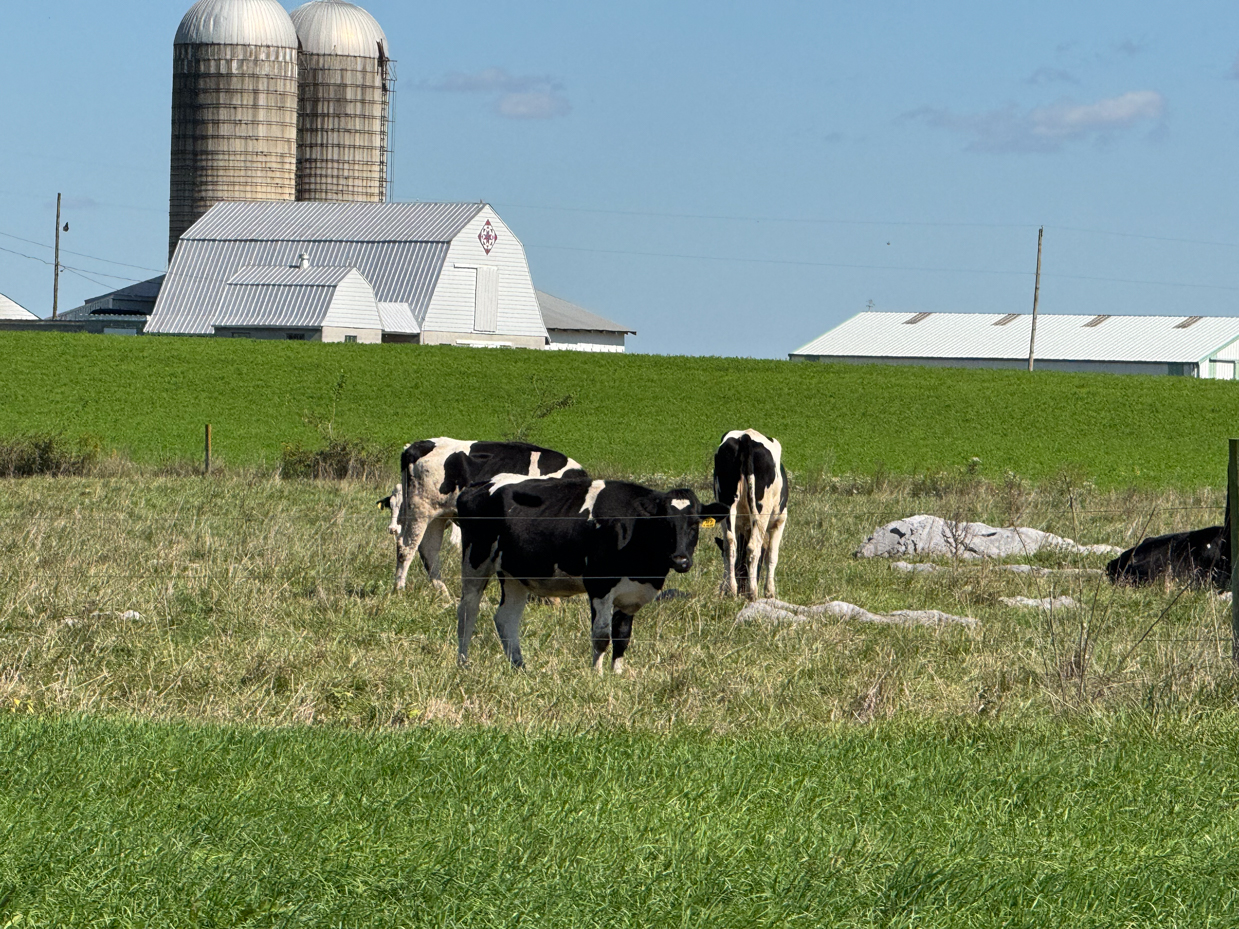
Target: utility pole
[
  {"x": 56, "y": 272},
  {"x": 1032, "y": 339}
]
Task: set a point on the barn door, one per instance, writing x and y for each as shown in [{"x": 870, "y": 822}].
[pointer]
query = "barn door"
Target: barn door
[{"x": 486, "y": 299}]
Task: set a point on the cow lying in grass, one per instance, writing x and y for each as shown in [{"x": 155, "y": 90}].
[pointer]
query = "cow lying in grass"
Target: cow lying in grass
[
  {"x": 750, "y": 481},
  {"x": 432, "y": 473},
  {"x": 1199, "y": 557},
  {"x": 611, "y": 540}
]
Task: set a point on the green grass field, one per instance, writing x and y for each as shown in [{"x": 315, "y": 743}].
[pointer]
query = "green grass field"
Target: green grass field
[
  {"x": 214, "y": 712},
  {"x": 1082, "y": 824},
  {"x": 149, "y": 397}
]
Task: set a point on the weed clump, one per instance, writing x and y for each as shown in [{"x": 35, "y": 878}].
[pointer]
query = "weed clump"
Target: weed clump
[
  {"x": 48, "y": 453},
  {"x": 338, "y": 459}
]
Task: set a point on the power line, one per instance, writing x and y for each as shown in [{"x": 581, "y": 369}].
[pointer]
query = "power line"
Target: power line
[
  {"x": 9, "y": 235},
  {"x": 827, "y": 264}
]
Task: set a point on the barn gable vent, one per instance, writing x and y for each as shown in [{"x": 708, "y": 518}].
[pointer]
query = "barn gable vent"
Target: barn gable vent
[
  {"x": 913, "y": 320},
  {"x": 1189, "y": 322},
  {"x": 1009, "y": 318},
  {"x": 1096, "y": 321}
]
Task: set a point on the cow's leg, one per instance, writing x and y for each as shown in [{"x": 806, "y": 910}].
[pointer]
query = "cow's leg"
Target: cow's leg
[
  {"x": 404, "y": 558},
  {"x": 508, "y": 619},
  {"x": 601, "y": 608},
  {"x": 773, "y": 539},
  {"x": 729, "y": 554},
  {"x": 754, "y": 553},
  {"x": 431, "y": 551},
  {"x": 407, "y": 543},
  {"x": 621, "y": 633},
  {"x": 472, "y": 585}
]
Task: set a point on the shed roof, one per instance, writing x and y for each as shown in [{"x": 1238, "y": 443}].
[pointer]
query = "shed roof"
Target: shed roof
[
  {"x": 398, "y": 318},
  {"x": 1167, "y": 339},
  {"x": 280, "y": 297},
  {"x": 398, "y": 247},
  {"x": 11, "y": 309},
  {"x": 560, "y": 314}
]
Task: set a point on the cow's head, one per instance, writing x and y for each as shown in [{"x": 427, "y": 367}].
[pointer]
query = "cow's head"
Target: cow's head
[
  {"x": 456, "y": 473},
  {"x": 393, "y": 502},
  {"x": 674, "y": 519}
]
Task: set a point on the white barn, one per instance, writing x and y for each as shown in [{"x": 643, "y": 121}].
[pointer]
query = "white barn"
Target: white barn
[
  {"x": 1191, "y": 346},
  {"x": 439, "y": 273}
]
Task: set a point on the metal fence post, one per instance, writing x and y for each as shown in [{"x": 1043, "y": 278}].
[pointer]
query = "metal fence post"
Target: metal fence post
[
  {"x": 207, "y": 450},
  {"x": 1232, "y": 500}
]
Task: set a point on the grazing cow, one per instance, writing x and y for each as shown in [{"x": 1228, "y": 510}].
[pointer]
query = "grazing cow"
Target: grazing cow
[
  {"x": 611, "y": 540},
  {"x": 749, "y": 479},
  {"x": 1201, "y": 556},
  {"x": 432, "y": 473}
]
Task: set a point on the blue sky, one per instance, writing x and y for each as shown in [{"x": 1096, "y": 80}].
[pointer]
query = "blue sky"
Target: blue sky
[{"x": 727, "y": 179}]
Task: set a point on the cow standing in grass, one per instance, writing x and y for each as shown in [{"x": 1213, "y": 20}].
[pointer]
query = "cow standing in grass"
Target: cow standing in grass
[
  {"x": 611, "y": 540},
  {"x": 432, "y": 474},
  {"x": 750, "y": 481}
]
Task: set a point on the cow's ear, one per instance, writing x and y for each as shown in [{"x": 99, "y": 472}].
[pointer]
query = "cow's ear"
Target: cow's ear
[
  {"x": 646, "y": 506},
  {"x": 716, "y": 509},
  {"x": 623, "y": 531},
  {"x": 526, "y": 499},
  {"x": 385, "y": 503},
  {"x": 455, "y": 473}
]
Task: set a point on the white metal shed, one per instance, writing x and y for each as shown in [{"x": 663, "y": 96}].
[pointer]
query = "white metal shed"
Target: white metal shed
[{"x": 1193, "y": 346}]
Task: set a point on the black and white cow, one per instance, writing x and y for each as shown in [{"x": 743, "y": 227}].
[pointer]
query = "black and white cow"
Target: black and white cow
[
  {"x": 611, "y": 540},
  {"x": 749, "y": 479},
  {"x": 432, "y": 473}
]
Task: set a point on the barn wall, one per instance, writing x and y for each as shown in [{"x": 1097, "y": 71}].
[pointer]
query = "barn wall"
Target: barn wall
[
  {"x": 353, "y": 306},
  {"x": 585, "y": 341},
  {"x": 1079, "y": 367},
  {"x": 452, "y": 306}
]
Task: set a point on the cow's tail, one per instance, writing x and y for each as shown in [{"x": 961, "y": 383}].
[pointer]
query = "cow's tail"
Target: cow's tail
[
  {"x": 748, "y": 474},
  {"x": 409, "y": 457}
]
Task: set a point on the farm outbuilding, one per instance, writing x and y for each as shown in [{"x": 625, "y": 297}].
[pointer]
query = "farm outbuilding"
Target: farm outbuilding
[
  {"x": 573, "y": 328},
  {"x": 1189, "y": 346},
  {"x": 445, "y": 273},
  {"x": 11, "y": 309}
]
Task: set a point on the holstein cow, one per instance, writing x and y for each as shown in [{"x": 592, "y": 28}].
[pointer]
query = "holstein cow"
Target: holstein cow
[
  {"x": 749, "y": 479},
  {"x": 432, "y": 473},
  {"x": 611, "y": 540}
]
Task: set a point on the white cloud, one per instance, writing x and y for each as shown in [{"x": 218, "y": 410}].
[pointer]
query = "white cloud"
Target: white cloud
[
  {"x": 518, "y": 96},
  {"x": 1048, "y": 128}
]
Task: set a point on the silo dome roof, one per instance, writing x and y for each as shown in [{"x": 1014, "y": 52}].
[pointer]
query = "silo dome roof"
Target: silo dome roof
[
  {"x": 335, "y": 27},
  {"x": 237, "y": 22}
]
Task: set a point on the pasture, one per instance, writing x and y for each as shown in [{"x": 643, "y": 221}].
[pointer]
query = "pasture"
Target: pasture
[
  {"x": 148, "y": 398},
  {"x": 214, "y": 711},
  {"x": 276, "y": 739}
]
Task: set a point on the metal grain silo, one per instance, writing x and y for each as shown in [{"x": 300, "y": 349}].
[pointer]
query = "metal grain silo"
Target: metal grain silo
[
  {"x": 234, "y": 108},
  {"x": 345, "y": 94}
]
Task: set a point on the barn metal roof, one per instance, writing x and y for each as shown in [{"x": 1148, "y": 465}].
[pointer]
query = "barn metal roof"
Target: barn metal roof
[
  {"x": 560, "y": 314},
  {"x": 1168, "y": 339},
  {"x": 398, "y": 247},
  {"x": 334, "y": 222},
  {"x": 279, "y": 297},
  {"x": 237, "y": 22},
  {"x": 11, "y": 309},
  {"x": 335, "y": 27}
]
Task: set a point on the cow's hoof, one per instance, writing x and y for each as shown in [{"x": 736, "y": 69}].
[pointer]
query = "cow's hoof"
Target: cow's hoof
[
  {"x": 462, "y": 661},
  {"x": 600, "y": 664},
  {"x": 618, "y": 666}
]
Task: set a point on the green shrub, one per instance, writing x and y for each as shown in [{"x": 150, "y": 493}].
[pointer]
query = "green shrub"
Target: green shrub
[{"x": 338, "y": 459}]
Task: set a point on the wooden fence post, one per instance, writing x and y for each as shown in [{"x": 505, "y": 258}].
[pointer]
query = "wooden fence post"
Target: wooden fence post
[
  {"x": 1232, "y": 500},
  {"x": 207, "y": 449}
]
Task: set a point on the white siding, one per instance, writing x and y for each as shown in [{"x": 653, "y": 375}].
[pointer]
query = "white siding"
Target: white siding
[
  {"x": 486, "y": 299},
  {"x": 353, "y": 306},
  {"x": 579, "y": 341},
  {"x": 452, "y": 307}
]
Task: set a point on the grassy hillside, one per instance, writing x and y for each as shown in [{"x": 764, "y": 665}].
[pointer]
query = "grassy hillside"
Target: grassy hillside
[
  {"x": 151, "y": 396},
  {"x": 117, "y": 823}
]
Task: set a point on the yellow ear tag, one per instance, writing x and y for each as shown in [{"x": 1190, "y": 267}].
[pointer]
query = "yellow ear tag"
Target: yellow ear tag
[{"x": 707, "y": 523}]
